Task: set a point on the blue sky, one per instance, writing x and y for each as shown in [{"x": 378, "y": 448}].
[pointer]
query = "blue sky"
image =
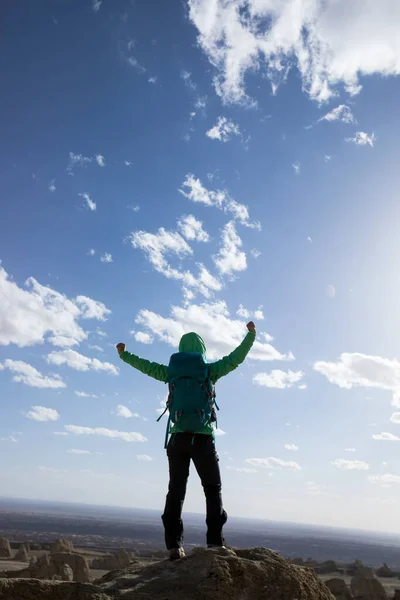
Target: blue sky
[{"x": 170, "y": 167}]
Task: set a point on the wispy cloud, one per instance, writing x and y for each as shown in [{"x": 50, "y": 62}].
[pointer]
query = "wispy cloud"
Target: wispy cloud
[
  {"x": 106, "y": 258},
  {"x": 350, "y": 465},
  {"x": 278, "y": 379},
  {"x": 52, "y": 185},
  {"x": 230, "y": 258},
  {"x": 41, "y": 413},
  {"x": 386, "y": 437},
  {"x": 192, "y": 229},
  {"x": 194, "y": 190},
  {"x": 291, "y": 447},
  {"x": 126, "y": 436},
  {"x": 133, "y": 62},
  {"x": 25, "y": 373},
  {"x": 255, "y": 253},
  {"x": 10, "y": 438},
  {"x": 100, "y": 160},
  {"x": 224, "y": 130},
  {"x": 273, "y": 463},
  {"x": 248, "y": 314},
  {"x": 153, "y": 80},
  {"x": 84, "y": 394},
  {"x": 208, "y": 319},
  {"x": 350, "y": 450},
  {"x": 142, "y": 337},
  {"x": 384, "y": 479},
  {"x": 125, "y": 412},
  {"x": 77, "y": 451},
  {"x": 296, "y": 167},
  {"x": 96, "y": 5},
  {"x": 144, "y": 457},
  {"x": 91, "y": 204},
  {"x": 362, "y": 139},
  {"x": 187, "y": 78},
  {"x": 91, "y": 252},
  {"x": 77, "y": 361},
  {"x": 340, "y": 113},
  {"x": 241, "y": 469}
]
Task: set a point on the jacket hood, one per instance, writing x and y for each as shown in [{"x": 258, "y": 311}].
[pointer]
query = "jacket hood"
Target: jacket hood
[{"x": 192, "y": 342}]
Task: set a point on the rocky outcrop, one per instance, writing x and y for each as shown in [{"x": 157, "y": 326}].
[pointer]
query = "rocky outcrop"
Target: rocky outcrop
[
  {"x": 53, "y": 567},
  {"x": 329, "y": 566},
  {"x": 67, "y": 573},
  {"x": 385, "y": 571},
  {"x": 367, "y": 587},
  {"x": 218, "y": 574},
  {"x": 78, "y": 564},
  {"x": 5, "y": 549},
  {"x": 22, "y": 555},
  {"x": 62, "y": 546},
  {"x": 338, "y": 589},
  {"x": 120, "y": 560},
  {"x": 33, "y": 589}
]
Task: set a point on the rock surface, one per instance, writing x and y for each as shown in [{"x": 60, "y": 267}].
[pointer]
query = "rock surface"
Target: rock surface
[
  {"x": 67, "y": 573},
  {"x": 22, "y": 555},
  {"x": 218, "y": 574},
  {"x": 52, "y": 567},
  {"x": 113, "y": 561},
  {"x": 339, "y": 588},
  {"x": 78, "y": 563},
  {"x": 62, "y": 546},
  {"x": 33, "y": 589},
  {"x": 367, "y": 587},
  {"x": 5, "y": 549}
]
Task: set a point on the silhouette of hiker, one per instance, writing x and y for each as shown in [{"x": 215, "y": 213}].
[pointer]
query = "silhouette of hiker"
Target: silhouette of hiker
[{"x": 191, "y": 403}]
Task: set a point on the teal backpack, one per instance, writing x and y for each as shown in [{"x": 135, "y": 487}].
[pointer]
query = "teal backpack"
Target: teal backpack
[{"x": 191, "y": 399}]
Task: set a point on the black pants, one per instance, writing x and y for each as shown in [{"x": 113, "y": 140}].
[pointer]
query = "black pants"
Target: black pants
[{"x": 200, "y": 448}]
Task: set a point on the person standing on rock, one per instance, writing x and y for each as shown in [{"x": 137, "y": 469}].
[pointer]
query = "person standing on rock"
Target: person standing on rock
[{"x": 191, "y": 404}]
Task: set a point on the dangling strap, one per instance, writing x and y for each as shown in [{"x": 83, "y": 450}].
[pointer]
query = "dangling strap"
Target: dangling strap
[
  {"x": 163, "y": 413},
  {"x": 167, "y": 432}
]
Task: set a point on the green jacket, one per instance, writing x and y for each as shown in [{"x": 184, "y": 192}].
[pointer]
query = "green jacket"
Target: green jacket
[{"x": 192, "y": 342}]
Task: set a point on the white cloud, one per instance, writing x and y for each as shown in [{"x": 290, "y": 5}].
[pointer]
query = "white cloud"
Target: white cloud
[
  {"x": 133, "y": 62},
  {"x": 91, "y": 252},
  {"x": 243, "y": 312},
  {"x": 77, "y": 160},
  {"x": 386, "y": 478},
  {"x": 153, "y": 80},
  {"x": 362, "y": 139},
  {"x": 10, "y": 438},
  {"x": 126, "y": 436},
  {"x": 84, "y": 394},
  {"x": 350, "y": 465},
  {"x": 123, "y": 411},
  {"x": 51, "y": 186},
  {"x": 385, "y": 436},
  {"x": 331, "y": 43},
  {"x": 229, "y": 257},
  {"x": 350, "y": 450},
  {"x": 79, "y": 362},
  {"x": 91, "y": 204},
  {"x": 192, "y": 229},
  {"x": 134, "y": 207},
  {"x": 194, "y": 190},
  {"x": 278, "y": 379},
  {"x": 258, "y": 314},
  {"x": 255, "y": 253},
  {"x": 143, "y": 337},
  {"x": 25, "y": 373},
  {"x": 327, "y": 158},
  {"x": 291, "y": 447},
  {"x": 95, "y": 347},
  {"x": 296, "y": 167},
  {"x": 340, "y": 113},
  {"x": 91, "y": 309},
  {"x": 62, "y": 433},
  {"x": 163, "y": 404},
  {"x": 187, "y": 78},
  {"x": 354, "y": 369},
  {"x": 224, "y": 130},
  {"x": 273, "y": 463},
  {"x": 144, "y": 457},
  {"x": 96, "y": 5},
  {"x": 395, "y": 418},
  {"x": 158, "y": 246},
  {"x": 77, "y": 451},
  {"x": 100, "y": 160},
  {"x": 41, "y": 413},
  {"x": 210, "y": 320},
  {"x": 127, "y": 163},
  {"x": 241, "y": 469},
  {"x": 28, "y": 316},
  {"x": 106, "y": 258}
]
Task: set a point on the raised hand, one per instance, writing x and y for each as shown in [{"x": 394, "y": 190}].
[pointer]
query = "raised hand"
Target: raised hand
[
  {"x": 251, "y": 327},
  {"x": 120, "y": 347}
]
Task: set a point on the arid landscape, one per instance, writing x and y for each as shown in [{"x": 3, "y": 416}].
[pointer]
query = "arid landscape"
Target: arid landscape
[{"x": 86, "y": 545}]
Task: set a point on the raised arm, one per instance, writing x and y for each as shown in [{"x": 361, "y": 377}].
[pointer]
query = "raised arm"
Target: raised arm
[
  {"x": 227, "y": 364},
  {"x": 152, "y": 369}
]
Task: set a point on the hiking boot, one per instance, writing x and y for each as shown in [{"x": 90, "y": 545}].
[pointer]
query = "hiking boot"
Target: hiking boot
[
  {"x": 176, "y": 553},
  {"x": 216, "y": 546}
]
